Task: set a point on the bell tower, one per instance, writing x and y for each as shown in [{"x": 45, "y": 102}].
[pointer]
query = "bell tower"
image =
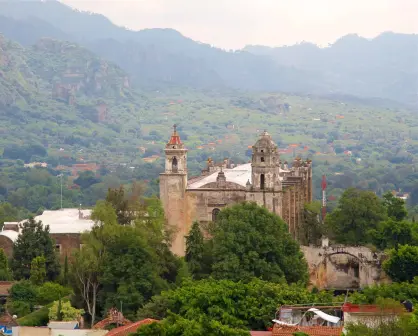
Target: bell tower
[
  {"x": 173, "y": 184},
  {"x": 265, "y": 165}
]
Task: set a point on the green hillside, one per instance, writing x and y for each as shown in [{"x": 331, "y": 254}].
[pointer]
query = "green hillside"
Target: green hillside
[{"x": 62, "y": 104}]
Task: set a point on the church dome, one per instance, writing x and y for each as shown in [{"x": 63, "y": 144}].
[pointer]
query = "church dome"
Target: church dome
[{"x": 265, "y": 141}]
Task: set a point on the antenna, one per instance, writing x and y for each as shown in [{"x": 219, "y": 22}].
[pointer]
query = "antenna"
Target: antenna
[{"x": 324, "y": 197}]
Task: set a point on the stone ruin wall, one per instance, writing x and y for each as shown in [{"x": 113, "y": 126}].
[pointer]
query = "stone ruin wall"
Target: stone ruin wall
[{"x": 344, "y": 267}]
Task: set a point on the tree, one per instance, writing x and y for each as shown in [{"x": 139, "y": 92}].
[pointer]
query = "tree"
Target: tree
[
  {"x": 50, "y": 292},
  {"x": 63, "y": 311},
  {"x": 238, "y": 305},
  {"x": 38, "y": 270},
  {"x": 120, "y": 202},
  {"x": 310, "y": 231},
  {"x": 195, "y": 251},
  {"x": 86, "y": 270},
  {"x": 65, "y": 273},
  {"x": 5, "y": 273},
  {"x": 176, "y": 325},
  {"x": 249, "y": 241},
  {"x": 34, "y": 241},
  {"x": 391, "y": 233},
  {"x": 402, "y": 264},
  {"x": 395, "y": 207},
  {"x": 358, "y": 213},
  {"x": 131, "y": 272}
]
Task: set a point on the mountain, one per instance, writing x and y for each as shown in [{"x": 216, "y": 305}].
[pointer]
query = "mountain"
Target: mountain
[
  {"x": 57, "y": 93},
  {"x": 384, "y": 67}
]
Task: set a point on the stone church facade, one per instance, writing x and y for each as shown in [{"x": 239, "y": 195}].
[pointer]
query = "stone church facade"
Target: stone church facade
[{"x": 266, "y": 180}]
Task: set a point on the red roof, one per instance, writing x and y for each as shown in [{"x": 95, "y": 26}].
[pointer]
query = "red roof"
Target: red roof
[
  {"x": 5, "y": 287},
  {"x": 260, "y": 333},
  {"x": 311, "y": 331},
  {"x": 130, "y": 328}
]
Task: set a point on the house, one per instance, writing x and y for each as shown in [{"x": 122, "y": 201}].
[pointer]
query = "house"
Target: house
[{"x": 65, "y": 227}]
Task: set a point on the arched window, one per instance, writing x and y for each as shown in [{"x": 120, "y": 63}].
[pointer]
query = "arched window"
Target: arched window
[
  {"x": 215, "y": 213},
  {"x": 262, "y": 159},
  {"x": 262, "y": 181},
  {"x": 174, "y": 167}
]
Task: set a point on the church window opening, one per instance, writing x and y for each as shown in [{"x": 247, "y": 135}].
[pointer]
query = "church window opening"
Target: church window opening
[
  {"x": 215, "y": 213},
  {"x": 262, "y": 159},
  {"x": 262, "y": 181},
  {"x": 262, "y": 151},
  {"x": 174, "y": 165}
]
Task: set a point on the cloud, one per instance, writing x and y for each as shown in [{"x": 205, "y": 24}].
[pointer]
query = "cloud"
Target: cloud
[{"x": 235, "y": 23}]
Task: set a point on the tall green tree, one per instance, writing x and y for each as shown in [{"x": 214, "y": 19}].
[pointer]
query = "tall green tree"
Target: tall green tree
[
  {"x": 402, "y": 264},
  {"x": 86, "y": 269},
  {"x": 195, "y": 249},
  {"x": 5, "y": 273},
  {"x": 395, "y": 207},
  {"x": 38, "y": 270},
  {"x": 249, "y": 241},
  {"x": 356, "y": 217},
  {"x": 34, "y": 241},
  {"x": 125, "y": 211}
]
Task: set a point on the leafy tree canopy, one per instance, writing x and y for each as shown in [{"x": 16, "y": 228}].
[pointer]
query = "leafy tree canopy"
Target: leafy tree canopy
[
  {"x": 402, "y": 264},
  {"x": 358, "y": 213},
  {"x": 239, "y": 305},
  {"x": 249, "y": 241},
  {"x": 34, "y": 241}
]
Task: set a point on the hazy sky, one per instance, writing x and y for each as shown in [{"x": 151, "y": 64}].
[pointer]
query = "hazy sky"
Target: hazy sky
[{"x": 235, "y": 23}]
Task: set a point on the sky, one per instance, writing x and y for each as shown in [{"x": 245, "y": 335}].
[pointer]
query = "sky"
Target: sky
[{"x": 232, "y": 24}]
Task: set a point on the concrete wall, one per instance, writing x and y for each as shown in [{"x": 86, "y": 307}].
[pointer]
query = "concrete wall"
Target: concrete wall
[
  {"x": 372, "y": 320},
  {"x": 42, "y": 331}
]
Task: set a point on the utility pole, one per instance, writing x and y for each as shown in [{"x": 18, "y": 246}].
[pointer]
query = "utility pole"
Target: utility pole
[
  {"x": 324, "y": 197},
  {"x": 60, "y": 175}
]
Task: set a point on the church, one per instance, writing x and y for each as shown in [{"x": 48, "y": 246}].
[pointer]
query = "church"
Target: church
[{"x": 266, "y": 180}]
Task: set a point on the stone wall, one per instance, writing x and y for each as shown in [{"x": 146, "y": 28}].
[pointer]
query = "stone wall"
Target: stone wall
[
  {"x": 66, "y": 243},
  {"x": 342, "y": 267},
  {"x": 7, "y": 245}
]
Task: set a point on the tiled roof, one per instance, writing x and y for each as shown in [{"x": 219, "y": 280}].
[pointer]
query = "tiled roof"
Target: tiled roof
[
  {"x": 130, "y": 328},
  {"x": 311, "y": 331},
  {"x": 260, "y": 333},
  {"x": 4, "y": 287}
]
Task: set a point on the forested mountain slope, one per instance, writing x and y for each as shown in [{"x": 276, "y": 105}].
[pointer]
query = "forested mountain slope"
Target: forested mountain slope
[{"x": 384, "y": 67}]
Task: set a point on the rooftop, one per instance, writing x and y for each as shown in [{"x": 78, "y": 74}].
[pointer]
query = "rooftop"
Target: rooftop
[
  {"x": 130, "y": 328},
  {"x": 311, "y": 331},
  {"x": 66, "y": 220},
  {"x": 239, "y": 175}
]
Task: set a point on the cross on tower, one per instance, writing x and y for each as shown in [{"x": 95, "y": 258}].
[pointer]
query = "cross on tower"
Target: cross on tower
[{"x": 175, "y": 128}]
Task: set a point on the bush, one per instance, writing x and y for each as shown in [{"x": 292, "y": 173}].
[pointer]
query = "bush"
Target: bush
[
  {"x": 68, "y": 313},
  {"x": 37, "y": 318},
  {"x": 19, "y": 308},
  {"x": 50, "y": 292},
  {"x": 24, "y": 291}
]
